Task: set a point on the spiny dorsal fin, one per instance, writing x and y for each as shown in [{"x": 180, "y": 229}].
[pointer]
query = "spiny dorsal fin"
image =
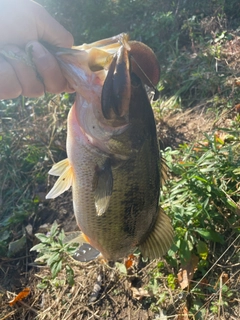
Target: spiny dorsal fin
[
  {"x": 160, "y": 239},
  {"x": 62, "y": 169}
]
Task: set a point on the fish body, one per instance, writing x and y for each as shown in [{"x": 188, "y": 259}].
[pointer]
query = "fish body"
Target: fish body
[{"x": 114, "y": 164}]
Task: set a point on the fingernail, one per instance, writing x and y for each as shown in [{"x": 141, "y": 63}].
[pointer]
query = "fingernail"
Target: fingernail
[{"x": 38, "y": 50}]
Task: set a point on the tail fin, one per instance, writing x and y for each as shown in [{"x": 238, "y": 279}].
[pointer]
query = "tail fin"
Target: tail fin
[{"x": 160, "y": 239}]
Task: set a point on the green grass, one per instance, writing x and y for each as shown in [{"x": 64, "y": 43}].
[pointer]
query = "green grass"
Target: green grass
[{"x": 29, "y": 131}]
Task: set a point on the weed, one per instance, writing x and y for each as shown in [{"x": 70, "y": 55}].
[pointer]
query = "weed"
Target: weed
[
  {"x": 55, "y": 253},
  {"x": 203, "y": 200},
  {"x": 28, "y": 128}
]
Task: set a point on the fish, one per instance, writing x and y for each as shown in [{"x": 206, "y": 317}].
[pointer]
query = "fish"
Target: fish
[{"x": 113, "y": 164}]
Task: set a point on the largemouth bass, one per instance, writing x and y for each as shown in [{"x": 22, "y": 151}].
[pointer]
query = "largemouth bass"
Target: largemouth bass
[{"x": 114, "y": 164}]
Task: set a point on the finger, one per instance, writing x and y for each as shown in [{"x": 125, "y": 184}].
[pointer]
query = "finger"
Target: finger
[
  {"x": 30, "y": 84},
  {"x": 10, "y": 87},
  {"x": 24, "y": 21},
  {"x": 50, "y": 30},
  {"x": 48, "y": 68}
]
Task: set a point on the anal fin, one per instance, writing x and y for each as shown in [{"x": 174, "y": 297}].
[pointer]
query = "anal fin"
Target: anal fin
[{"x": 160, "y": 239}]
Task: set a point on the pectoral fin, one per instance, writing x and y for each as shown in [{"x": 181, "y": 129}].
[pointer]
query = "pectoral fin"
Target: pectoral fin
[
  {"x": 62, "y": 169},
  {"x": 160, "y": 239},
  {"x": 58, "y": 168},
  {"x": 103, "y": 186}
]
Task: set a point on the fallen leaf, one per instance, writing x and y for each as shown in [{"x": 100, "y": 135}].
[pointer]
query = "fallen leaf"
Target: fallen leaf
[
  {"x": 23, "y": 294},
  {"x": 237, "y": 107},
  {"x": 139, "y": 293},
  {"x": 222, "y": 279},
  {"x": 183, "y": 313},
  {"x": 183, "y": 278},
  {"x": 130, "y": 261},
  {"x": 225, "y": 277},
  {"x": 186, "y": 273}
]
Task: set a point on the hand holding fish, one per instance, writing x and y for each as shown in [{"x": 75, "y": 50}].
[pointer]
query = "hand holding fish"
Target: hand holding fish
[{"x": 22, "y": 25}]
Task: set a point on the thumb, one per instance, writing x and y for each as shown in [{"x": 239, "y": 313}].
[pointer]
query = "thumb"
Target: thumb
[{"x": 51, "y": 31}]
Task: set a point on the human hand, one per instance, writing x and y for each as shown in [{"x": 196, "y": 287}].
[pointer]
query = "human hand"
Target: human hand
[{"x": 22, "y": 24}]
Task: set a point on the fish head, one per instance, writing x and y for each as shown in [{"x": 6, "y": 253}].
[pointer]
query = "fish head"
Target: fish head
[{"x": 101, "y": 74}]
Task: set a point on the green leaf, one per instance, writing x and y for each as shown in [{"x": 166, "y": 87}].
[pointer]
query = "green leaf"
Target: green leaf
[
  {"x": 205, "y": 203},
  {"x": 210, "y": 235},
  {"x": 42, "y": 237},
  {"x": 56, "y": 268},
  {"x": 121, "y": 267},
  {"x": 38, "y": 247},
  {"x": 200, "y": 179},
  {"x": 71, "y": 250},
  {"x": 70, "y": 275},
  {"x": 232, "y": 203},
  {"x": 54, "y": 229},
  {"x": 61, "y": 235},
  {"x": 237, "y": 171},
  {"x": 171, "y": 280},
  {"x": 209, "y": 189},
  {"x": 184, "y": 251},
  {"x": 43, "y": 258},
  {"x": 42, "y": 285},
  {"x": 4, "y": 235},
  {"x": 202, "y": 250},
  {"x": 54, "y": 257}
]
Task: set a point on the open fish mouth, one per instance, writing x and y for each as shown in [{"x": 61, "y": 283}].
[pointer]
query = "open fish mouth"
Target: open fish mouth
[{"x": 116, "y": 55}]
